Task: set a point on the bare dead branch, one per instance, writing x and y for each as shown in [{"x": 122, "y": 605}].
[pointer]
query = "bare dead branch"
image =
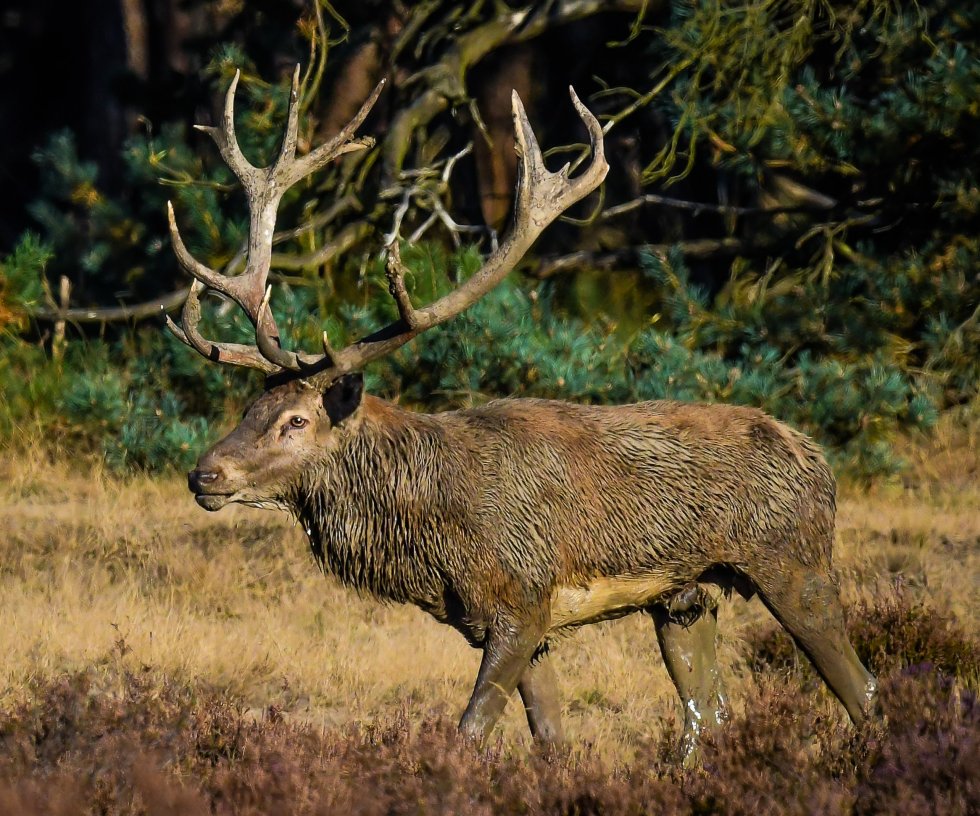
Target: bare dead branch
[
  {"x": 445, "y": 81},
  {"x": 698, "y": 208},
  {"x": 349, "y": 237},
  {"x": 629, "y": 257},
  {"x": 426, "y": 190},
  {"x": 114, "y": 314}
]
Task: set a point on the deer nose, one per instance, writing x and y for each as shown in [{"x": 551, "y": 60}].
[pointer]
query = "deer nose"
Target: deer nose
[{"x": 197, "y": 480}]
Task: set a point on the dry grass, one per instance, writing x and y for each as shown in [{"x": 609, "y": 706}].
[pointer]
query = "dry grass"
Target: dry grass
[{"x": 102, "y": 574}]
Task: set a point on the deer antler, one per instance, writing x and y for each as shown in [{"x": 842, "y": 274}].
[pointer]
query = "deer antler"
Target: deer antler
[
  {"x": 264, "y": 188},
  {"x": 541, "y": 197}
]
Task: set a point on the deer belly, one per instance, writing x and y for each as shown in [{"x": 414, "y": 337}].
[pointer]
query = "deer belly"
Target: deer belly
[{"x": 604, "y": 598}]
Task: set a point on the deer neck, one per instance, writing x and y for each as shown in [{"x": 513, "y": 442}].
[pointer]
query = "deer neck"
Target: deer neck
[{"x": 371, "y": 509}]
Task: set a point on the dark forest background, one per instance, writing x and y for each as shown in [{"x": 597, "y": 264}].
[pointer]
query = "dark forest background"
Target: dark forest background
[{"x": 790, "y": 221}]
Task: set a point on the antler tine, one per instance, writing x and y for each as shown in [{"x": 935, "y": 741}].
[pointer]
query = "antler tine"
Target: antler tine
[
  {"x": 227, "y": 140},
  {"x": 344, "y": 142},
  {"x": 263, "y": 204},
  {"x": 205, "y": 277},
  {"x": 192, "y": 265},
  {"x": 271, "y": 350},
  {"x": 536, "y": 176},
  {"x": 287, "y": 151},
  {"x": 541, "y": 197},
  {"x": 231, "y": 353}
]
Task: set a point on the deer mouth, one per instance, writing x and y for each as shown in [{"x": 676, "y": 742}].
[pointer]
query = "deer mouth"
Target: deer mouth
[{"x": 213, "y": 501}]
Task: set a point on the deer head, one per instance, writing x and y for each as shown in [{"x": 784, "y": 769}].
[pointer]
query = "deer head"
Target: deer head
[{"x": 312, "y": 400}]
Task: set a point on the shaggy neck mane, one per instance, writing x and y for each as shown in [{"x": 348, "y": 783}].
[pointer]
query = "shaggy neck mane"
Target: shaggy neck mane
[{"x": 372, "y": 509}]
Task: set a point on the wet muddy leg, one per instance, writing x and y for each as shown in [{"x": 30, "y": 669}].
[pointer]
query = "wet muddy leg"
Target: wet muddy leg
[
  {"x": 686, "y": 630},
  {"x": 506, "y": 656},
  {"x": 539, "y": 693},
  {"x": 806, "y": 602}
]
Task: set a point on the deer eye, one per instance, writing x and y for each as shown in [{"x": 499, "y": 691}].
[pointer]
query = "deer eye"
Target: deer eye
[{"x": 299, "y": 422}]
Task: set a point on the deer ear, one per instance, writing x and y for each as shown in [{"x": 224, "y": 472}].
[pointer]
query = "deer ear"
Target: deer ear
[{"x": 343, "y": 397}]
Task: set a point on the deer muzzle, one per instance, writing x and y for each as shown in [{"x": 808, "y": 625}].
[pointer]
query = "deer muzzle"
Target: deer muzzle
[{"x": 206, "y": 487}]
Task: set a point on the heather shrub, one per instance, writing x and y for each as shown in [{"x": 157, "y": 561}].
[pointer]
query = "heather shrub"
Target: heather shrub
[
  {"x": 772, "y": 649},
  {"x": 781, "y": 757},
  {"x": 896, "y": 630},
  {"x": 112, "y": 742},
  {"x": 926, "y": 761},
  {"x": 893, "y": 631}
]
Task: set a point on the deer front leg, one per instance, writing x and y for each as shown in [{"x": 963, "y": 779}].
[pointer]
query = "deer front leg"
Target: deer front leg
[
  {"x": 506, "y": 656},
  {"x": 539, "y": 693}
]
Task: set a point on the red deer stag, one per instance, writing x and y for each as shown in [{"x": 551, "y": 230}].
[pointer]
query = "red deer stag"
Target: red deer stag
[{"x": 521, "y": 519}]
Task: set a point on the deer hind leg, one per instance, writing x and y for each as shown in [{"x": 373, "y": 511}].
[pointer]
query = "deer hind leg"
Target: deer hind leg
[
  {"x": 538, "y": 688},
  {"x": 686, "y": 630},
  {"x": 506, "y": 658},
  {"x": 806, "y": 602}
]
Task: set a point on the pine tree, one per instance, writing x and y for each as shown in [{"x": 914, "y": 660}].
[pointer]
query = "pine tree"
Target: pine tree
[{"x": 799, "y": 232}]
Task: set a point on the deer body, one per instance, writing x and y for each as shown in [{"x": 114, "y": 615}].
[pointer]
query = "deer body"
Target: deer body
[
  {"x": 522, "y": 518},
  {"x": 582, "y": 512}
]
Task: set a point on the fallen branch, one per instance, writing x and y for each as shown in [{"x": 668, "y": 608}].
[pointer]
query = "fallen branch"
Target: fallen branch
[
  {"x": 345, "y": 240},
  {"x": 114, "y": 314}
]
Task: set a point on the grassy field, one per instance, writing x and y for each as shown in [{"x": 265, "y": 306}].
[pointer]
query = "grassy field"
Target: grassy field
[{"x": 123, "y": 593}]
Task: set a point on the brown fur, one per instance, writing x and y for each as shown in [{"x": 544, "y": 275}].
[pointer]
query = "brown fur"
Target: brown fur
[{"x": 527, "y": 516}]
